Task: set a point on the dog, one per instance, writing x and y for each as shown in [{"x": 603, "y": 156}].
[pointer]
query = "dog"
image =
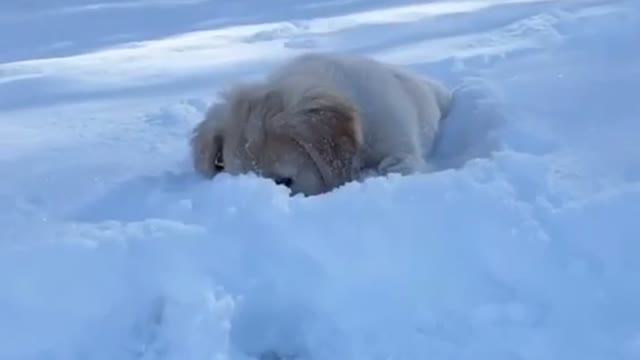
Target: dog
[{"x": 321, "y": 120}]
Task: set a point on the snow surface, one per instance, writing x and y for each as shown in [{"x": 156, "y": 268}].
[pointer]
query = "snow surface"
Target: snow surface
[{"x": 525, "y": 246}]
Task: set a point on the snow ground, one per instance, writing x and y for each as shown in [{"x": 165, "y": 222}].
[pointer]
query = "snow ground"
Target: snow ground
[{"x": 524, "y": 246}]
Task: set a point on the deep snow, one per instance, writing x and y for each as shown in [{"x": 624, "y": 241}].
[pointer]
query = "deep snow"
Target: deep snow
[{"x": 524, "y": 246}]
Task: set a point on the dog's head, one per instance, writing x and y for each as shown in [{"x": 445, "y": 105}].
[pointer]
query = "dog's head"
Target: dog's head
[{"x": 307, "y": 141}]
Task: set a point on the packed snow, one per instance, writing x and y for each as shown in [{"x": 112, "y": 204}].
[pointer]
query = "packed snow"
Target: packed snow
[{"x": 524, "y": 245}]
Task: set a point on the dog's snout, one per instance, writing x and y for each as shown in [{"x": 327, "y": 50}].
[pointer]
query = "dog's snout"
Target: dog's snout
[
  {"x": 286, "y": 181},
  {"x": 218, "y": 162}
]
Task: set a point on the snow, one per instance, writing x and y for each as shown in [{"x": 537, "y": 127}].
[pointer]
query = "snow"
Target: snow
[{"x": 524, "y": 245}]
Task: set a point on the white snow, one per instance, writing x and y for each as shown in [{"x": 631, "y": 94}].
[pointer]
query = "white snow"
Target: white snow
[{"x": 524, "y": 246}]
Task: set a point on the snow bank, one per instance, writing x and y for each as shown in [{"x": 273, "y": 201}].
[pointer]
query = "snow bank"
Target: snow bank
[
  {"x": 523, "y": 246},
  {"x": 458, "y": 264}
]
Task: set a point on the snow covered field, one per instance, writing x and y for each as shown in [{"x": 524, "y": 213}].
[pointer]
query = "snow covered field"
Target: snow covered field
[{"x": 525, "y": 246}]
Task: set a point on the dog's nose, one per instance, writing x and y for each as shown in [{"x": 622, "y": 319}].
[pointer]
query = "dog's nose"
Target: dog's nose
[{"x": 286, "y": 181}]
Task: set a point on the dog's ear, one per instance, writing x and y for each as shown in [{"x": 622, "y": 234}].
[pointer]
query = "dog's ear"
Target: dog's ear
[
  {"x": 330, "y": 131},
  {"x": 207, "y": 142}
]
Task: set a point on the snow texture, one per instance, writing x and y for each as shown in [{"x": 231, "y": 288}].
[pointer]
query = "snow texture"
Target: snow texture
[{"x": 523, "y": 246}]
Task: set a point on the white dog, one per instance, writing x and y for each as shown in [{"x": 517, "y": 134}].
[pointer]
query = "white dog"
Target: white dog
[{"x": 322, "y": 120}]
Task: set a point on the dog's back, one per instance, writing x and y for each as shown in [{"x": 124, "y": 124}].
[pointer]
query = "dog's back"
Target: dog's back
[{"x": 400, "y": 110}]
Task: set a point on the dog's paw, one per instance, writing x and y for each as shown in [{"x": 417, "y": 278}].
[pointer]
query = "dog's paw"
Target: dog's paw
[
  {"x": 403, "y": 165},
  {"x": 365, "y": 174}
]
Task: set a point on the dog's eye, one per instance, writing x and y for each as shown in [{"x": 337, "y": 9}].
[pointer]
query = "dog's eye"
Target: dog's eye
[{"x": 286, "y": 181}]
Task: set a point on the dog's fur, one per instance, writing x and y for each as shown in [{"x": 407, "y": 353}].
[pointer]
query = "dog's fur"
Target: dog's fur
[{"x": 322, "y": 120}]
